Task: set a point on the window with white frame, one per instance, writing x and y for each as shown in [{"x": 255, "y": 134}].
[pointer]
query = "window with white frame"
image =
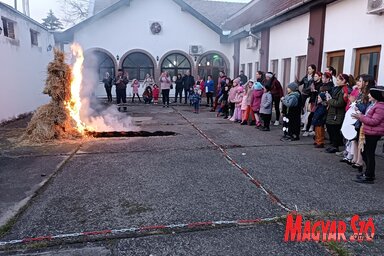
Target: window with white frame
[
  {"x": 257, "y": 66},
  {"x": 250, "y": 70},
  {"x": 242, "y": 67},
  {"x": 8, "y": 27},
  {"x": 275, "y": 67},
  {"x": 301, "y": 67},
  {"x": 34, "y": 37}
]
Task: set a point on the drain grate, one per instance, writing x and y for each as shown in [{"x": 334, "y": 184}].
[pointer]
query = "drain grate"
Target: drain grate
[{"x": 116, "y": 134}]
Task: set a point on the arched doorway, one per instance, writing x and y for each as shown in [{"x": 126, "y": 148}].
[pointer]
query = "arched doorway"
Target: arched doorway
[
  {"x": 175, "y": 63},
  {"x": 99, "y": 61},
  {"x": 138, "y": 64},
  {"x": 212, "y": 64}
]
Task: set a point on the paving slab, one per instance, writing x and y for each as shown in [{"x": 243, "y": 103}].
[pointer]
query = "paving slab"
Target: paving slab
[
  {"x": 19, "y": 179},
  {"x": 259, "y": 240},
  {"x": 311, "y": 179},
  {"x": 97, "y": 192}
]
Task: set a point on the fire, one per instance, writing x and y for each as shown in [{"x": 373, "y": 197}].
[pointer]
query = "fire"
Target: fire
[{"x": 74, "y": 105}]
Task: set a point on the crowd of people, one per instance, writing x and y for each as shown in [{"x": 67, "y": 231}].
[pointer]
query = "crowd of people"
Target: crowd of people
[{"x": 313, "y": 106}]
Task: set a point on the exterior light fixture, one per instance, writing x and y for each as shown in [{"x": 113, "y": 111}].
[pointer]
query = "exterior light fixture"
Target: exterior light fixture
[
  {"x": 208, "y": 63},
  {"x": 157, "y": 58},
  {"x": 195, "y": 58},
  {"x": 311, "y": 40},
  {"x": 1, "y": 30},
  {"x": 49, "y": 47},
  {"x": 117, "y": 57}
]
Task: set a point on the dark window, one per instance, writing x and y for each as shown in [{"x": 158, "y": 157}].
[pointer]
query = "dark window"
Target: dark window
[
  {"x": 367, "y": 61},
  {"x": 175, "y": 63},
  {"x": 212, "y": 64},
  {"x": 336, "y": 60},
  {"x": 301, "y": 66},
  {"x": 34, "y": 37},
  {"x": 8, "y": 27},
  {"x": 99, "y": 62},
  {"x": 137, "y": 65}
]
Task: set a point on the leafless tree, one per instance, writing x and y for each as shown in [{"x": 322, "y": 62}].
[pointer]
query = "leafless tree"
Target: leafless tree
[{"x": 74, "y": 11}]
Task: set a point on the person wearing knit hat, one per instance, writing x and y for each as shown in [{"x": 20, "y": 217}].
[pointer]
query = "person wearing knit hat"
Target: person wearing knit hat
[
  {"x": 373, "y": 127},
  {"x": 293, "y": 86},
  {"x": 318, "y": 120},
  {"x": 293, "y": 104},
  {"x": 257, "y": 93},
  {"x": 257, "y": 86}
]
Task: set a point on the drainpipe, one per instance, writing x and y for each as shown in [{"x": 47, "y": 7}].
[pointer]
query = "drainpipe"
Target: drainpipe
[
  {"x": 26, "y": 7},
  {"x": 15, "y": 3}
]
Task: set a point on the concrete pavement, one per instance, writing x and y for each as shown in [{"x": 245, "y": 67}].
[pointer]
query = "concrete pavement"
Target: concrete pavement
[{"x": 120, "y": 183}]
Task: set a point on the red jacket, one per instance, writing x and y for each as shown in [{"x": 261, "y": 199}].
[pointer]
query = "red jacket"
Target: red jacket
[
  {"x": 256, "y": 100},
  {"x": 276, "y": 89},
  {"x": 374, "y": 120}
]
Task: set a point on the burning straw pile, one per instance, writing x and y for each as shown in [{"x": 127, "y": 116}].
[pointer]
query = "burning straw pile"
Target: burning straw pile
[{"x": 53, "y": 121}]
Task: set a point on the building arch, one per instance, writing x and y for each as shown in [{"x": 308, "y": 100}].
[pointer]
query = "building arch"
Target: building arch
[
  {"x": 100, "y": 61},
  {"x": 211, "y": 63},
  {"x": 138, "y": 63},
  {"x": 166, "y": 62}
]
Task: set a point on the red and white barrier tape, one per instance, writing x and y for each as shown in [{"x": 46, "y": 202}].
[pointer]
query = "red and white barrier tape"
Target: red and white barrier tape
[
  {"x": 139, "y": 230},
  {"x": 257, "y": 183}
]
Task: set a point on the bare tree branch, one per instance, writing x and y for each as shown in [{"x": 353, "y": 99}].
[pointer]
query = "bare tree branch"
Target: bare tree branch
[{"x": 74, "y": 11}]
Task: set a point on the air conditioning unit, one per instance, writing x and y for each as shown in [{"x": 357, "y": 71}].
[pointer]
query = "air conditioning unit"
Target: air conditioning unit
[
  {"x": 252, "y": 42},
  {"x": 375, "y": 6},
  {"x": 195, "y": 50}
]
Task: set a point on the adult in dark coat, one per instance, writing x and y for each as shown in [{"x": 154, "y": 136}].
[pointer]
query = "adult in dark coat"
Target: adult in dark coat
[
  {"x": 179, "y": 87},
  {"x": 107, "y": 80},
  {"x": 188, "y": 83},
  {"x": 121, "y": 82},
  {"x": 243, "y": 78}
]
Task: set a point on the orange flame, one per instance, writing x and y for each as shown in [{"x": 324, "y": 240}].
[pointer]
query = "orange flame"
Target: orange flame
[{"x": 74, "y": 105}]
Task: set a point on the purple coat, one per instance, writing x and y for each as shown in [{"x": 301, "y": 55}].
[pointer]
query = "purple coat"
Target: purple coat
[
  {"x": 374, "y": 120},
  {"x": 256, "y": 100}
]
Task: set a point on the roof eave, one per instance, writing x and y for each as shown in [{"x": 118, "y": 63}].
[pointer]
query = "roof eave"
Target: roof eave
[
  {"x": 186, "y": 7},
  {"x": 22, "y": 15}
]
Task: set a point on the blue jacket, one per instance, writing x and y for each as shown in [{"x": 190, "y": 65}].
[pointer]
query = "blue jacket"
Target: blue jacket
[
  {"x": 209, "y": 86},
  {"x": 320, "y": 115}
]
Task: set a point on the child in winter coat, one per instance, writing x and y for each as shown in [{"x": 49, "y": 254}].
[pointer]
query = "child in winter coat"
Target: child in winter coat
[
  {"x": 231, "y": 97},
  {"x": 266, "y": 108},
  {"x": 318, "y": 120},
  {"x": 293, "y": 108},
  {"x": 135, "y": 89},
  {"x": 155, "y": 93},
  {"x": 246, "y": 105},
  {"x": 257, "y": 93},
  {"x": 195, "y": 99},
  {"x": 238, "y": 100},
  {"x": 147, "y": 95}
]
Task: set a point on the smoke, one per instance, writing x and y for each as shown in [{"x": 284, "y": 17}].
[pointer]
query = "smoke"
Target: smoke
[{"x": 97, "y": 115}]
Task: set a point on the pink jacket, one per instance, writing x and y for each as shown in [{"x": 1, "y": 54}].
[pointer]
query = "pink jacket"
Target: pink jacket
[
  {"x": 247, "y": 98},
  {"x": 135, "y": 87},
  {"x": 165, "y": 83},
  {"x": 256, "y": 100},
  {"x": 374, "y": 120},
  {"x": 238, "y": 99},
  {"x": 232, "y": 94}
]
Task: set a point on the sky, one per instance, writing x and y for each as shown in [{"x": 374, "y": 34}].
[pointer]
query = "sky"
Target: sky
[{"x": 40, "y": 8}]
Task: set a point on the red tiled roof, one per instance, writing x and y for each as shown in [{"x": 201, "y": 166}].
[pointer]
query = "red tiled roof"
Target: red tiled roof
[{"x": 258, "y": 11}]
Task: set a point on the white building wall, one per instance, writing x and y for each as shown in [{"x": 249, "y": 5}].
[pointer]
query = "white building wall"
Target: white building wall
[
  {"x": 128, "y": 28},
  {"x": 347, "y": 27},
  {"x": 23, "y": 67},
  {"x": 289, "y": 40},
  {"x": 249, "y": 56}
]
